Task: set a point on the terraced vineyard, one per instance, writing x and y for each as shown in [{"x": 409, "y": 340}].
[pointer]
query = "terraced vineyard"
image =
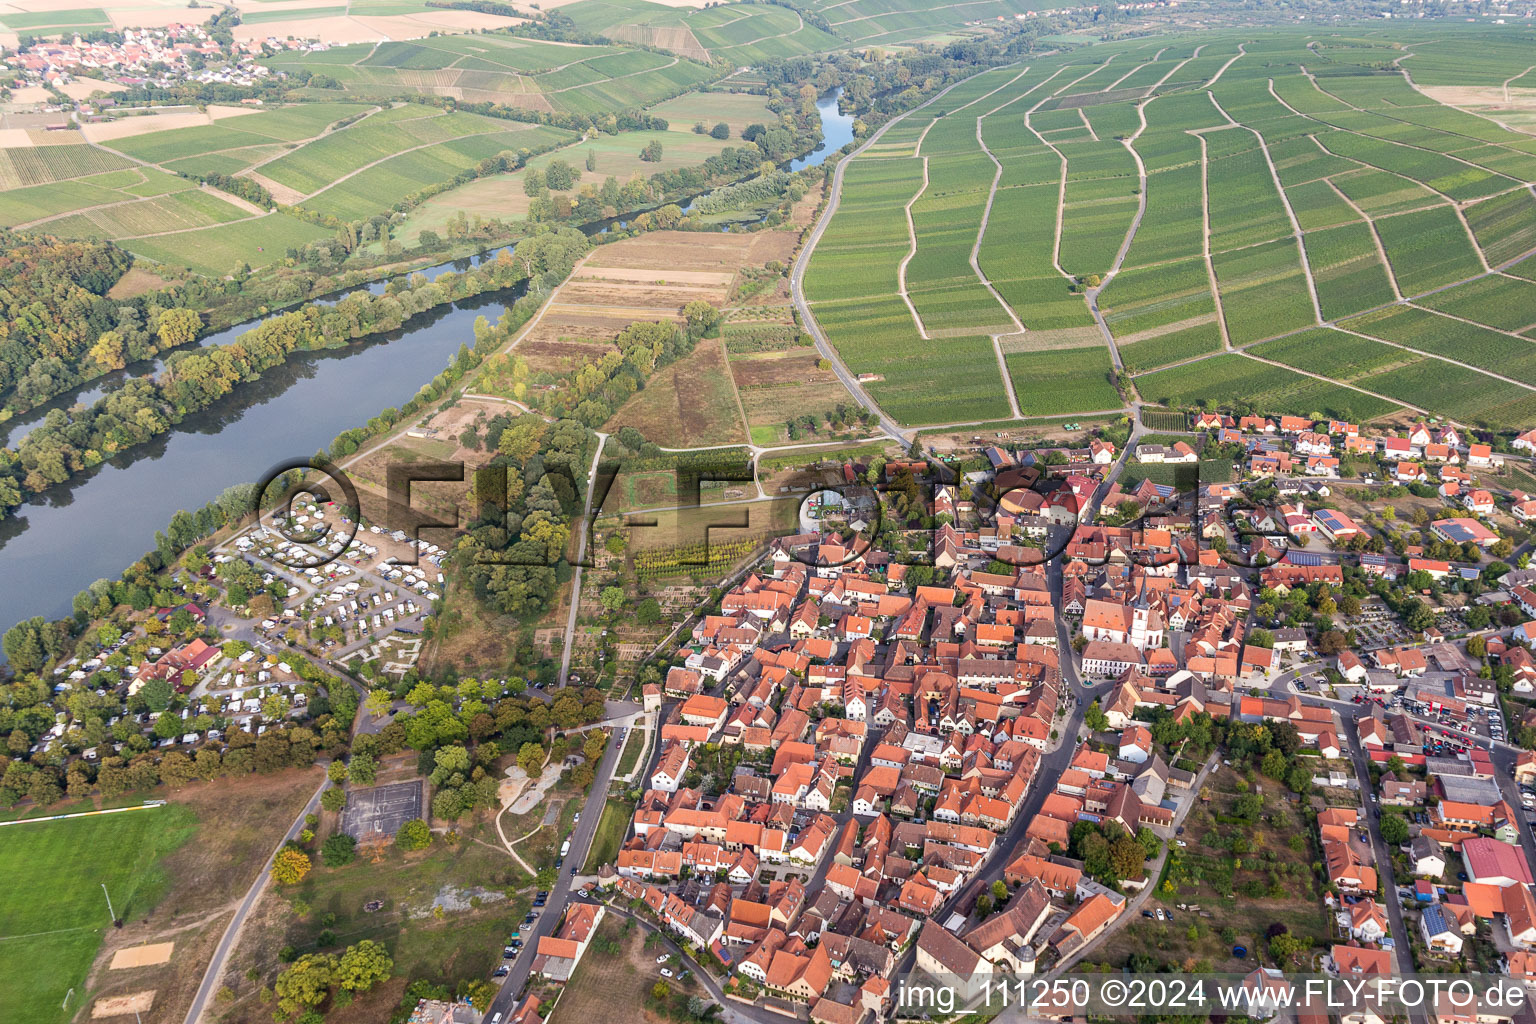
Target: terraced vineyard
[
  {"x": 1296, "y": 223},
  {"x": 525, "y": 73}
]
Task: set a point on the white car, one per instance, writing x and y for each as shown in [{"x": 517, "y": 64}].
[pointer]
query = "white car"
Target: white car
[
  {"x": 666, "y": 972},
  {"x": 663, "y": 958}
]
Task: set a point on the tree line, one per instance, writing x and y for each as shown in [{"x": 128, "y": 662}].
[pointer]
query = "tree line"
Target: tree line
[{"x": 140, "y": 409}]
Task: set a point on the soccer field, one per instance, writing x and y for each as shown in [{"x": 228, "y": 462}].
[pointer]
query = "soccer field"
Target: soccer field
[{"x": 52, "y": 912}]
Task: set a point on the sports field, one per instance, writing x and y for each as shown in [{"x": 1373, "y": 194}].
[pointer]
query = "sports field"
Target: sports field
[
  {"x": 1190, "y": 198},
  {"x": 52, "y": 910}
]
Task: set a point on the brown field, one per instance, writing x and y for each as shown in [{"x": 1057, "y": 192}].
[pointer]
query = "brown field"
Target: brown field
[
  {"x": 240, "y": 821},
  {"x": 678, "y": 250},
  {"x": 778, "y": 369},
  {"x": 677, "y": 38},
  {"x": 142, "y": 956},
  {"x": 608, "y": 987},
  {"x": 136, "y": 282},
  {"x": 1044, "y": 341},
  {"x": 120, "y": 1006},
  {"x": 688, "y": 404},
  {"x": 712, "y": 524}
]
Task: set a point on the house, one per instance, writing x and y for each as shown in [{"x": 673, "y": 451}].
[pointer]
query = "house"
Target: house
[
  {"x": 1101, "y": 453},
  {"x": 668, "y": 776},
  {"x": 1087, "y": 922},
  {"x": 942, "y": 955},
  {"x": 1366, "y": 920},
  {"x": 1494, "y": 863},
  {"x": 1427, "y": 857},
  {"x": 1335, "y": 525},
  {"x": 1440, "y": 934},
  {"x": 1136, "y": 744},
  {"x": 557, "y": 956}
]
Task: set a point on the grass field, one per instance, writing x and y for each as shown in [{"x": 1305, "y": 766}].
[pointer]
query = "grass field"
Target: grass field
[{"x": 52, "y": 912}]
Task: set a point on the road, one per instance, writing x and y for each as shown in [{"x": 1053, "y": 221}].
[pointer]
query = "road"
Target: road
[
  {"x": 560, "y": 894},
  {"x": 581, "y": 551},
  {"x": 1370, "y": 812},
  {"x": 231, "y": 935}
]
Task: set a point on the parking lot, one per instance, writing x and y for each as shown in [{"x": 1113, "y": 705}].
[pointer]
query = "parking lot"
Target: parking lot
[{"x": 374, "y": 814}]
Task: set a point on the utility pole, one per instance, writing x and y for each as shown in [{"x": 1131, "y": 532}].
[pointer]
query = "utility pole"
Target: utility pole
[{"x": 112, "y": 913}]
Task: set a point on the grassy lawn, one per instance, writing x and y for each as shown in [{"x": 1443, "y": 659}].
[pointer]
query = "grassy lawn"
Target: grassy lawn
[
  {"x": 633, "y": 745},
  {"x": 52, "y": 913},
  {"x": 610, "y": 833},
  {"x": 421, "y": 940}
]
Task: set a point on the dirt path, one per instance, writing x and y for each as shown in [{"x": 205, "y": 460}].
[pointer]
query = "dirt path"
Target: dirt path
[
  {"x": 1087, "y": 124},
  {"x": 1061, "y": 188},
  {"x": 1205, "y": 241},
  {"x": 1456, "y": 206},
  {"x": 1285, "y": 200},
  {"x": 232, "y": 200},
  {"x": 1335, "y": 383},
  {"x": 901, "y": 268},
  {"x": 1381, "y": 250},
  {"x": 1223, "y": 69},
  {"x": 511, "y": 852},
  {"x": 1125, "y": 244},
  {"x": 1444, "y": 359},
  {"x": 383, "y": 159},
  {"x": 1173, "y": 71}
]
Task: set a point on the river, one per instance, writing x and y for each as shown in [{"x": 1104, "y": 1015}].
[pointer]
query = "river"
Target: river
[{"x": 95, "y": 525}]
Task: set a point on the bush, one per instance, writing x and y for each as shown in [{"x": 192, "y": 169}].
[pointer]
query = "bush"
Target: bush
[{"x": 413, "y": 835}]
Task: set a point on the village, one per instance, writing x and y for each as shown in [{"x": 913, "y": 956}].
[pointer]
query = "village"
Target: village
[{"x": 1008, "y": 759}]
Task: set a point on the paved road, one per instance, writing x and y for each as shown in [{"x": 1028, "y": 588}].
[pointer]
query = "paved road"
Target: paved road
[
  {"x": 231, "y": 934},
  {"x": 581, "y": 842}
]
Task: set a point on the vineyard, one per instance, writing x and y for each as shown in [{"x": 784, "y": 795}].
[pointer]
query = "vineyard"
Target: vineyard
[
  {"x": 1214, "y": 197},
  {"x": 690, "y": 560}
]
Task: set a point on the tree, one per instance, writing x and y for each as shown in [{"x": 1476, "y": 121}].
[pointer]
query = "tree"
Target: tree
[
  {"x": 336, "y": 771},
  {"x": 290, "y": 866},
  {"x": 652, "y": 152},
  {"x": 1284, "y": 946},
  {"x": 721, "y": 131},
  {"x": 648, "y": 612},
  {"x": 1095, "y": 718},
  {"x": 612, "y": 598},
  {"x": 338, "y": 850},
  {"x": 305, "y": 983},
  {"x": 178, "y": 326},
  {"x": 364, "y": 965},
  {"x": 413, "y": 835},
  {"x": 661, "y": 991},
  {"x": 1000, "y": 891},
  {"x": 378, "y": 702},
  {"x": 362, "y": 769},
  {"x": 333, "y": 799},
  {"x": 1394, "y": 829},
  {"x": 530, "y": 758}
]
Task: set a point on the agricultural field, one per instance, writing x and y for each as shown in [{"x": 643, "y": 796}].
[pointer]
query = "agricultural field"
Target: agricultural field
[
  {"x": 525, "y": 73},
  {"x": 1216, "y": 381},
  {"x": 1195, "y": 216},
  {"x": 740, "y": 33}
]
